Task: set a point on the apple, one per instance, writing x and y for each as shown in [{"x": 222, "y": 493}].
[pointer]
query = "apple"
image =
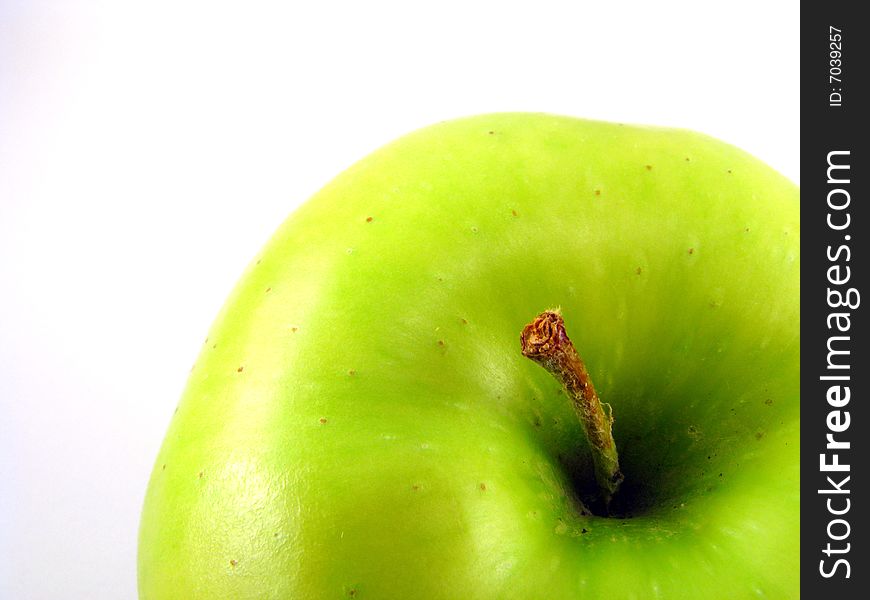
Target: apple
[{"x": 361, "y": 421}]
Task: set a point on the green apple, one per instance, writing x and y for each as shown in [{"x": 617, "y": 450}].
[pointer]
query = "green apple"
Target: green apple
[{"x": 362, "y": 422}]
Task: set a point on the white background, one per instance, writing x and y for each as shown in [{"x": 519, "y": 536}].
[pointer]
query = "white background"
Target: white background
[{"x": 148, "y": 149}]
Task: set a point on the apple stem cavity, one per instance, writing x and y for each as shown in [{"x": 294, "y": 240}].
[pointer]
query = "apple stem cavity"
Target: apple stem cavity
[{"x": 545, "y": 341}]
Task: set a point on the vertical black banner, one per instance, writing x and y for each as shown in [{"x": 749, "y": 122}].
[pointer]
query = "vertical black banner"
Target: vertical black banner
[{"x": 835, "y": 372}]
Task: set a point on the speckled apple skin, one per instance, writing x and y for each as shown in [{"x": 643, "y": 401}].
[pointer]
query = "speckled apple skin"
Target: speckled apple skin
[{"x": 360, "y": 422}]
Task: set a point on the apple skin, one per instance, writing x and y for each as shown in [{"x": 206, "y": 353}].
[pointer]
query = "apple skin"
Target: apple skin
[{"x": 361, "y": 422}]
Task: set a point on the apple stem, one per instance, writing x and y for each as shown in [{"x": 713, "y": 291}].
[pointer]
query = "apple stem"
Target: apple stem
[{"x": 545, "y": 341}]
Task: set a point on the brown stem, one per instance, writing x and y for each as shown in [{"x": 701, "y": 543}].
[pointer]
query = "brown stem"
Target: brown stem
[{"x": 545, "y": 341}]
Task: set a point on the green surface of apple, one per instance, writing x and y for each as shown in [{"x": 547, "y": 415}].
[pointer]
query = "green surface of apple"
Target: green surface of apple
[{"x": 361, "y": 421}]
